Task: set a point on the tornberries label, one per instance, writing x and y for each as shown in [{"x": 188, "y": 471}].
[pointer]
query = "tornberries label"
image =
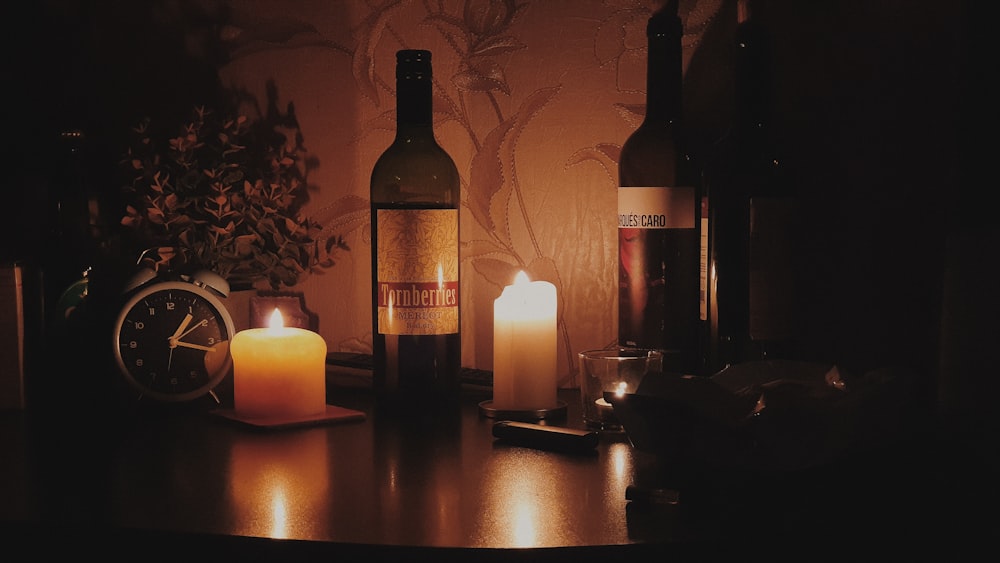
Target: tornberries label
[{"x": 417, "y": 290}]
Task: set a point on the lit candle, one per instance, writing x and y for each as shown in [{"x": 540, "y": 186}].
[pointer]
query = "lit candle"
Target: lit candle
[
  {"x": 604, "y": 408},
  {"x": 524, "y": 346},
  {"x": 278, "y": 371}
]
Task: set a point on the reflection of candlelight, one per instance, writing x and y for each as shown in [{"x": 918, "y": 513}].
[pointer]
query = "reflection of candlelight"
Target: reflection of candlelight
[
  {"x": 524, "y": 531},
  {"x": 279, "y": 483},
  {"x": 279, "y": 514},
  {"x": 620, "y": 471},
  {"x": 528, "y": 500},
  {"x": 516, "y": 504},
  {"x": 390, "y": 315}
]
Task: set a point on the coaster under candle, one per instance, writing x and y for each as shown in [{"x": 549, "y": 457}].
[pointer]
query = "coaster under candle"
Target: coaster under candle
[{"x": 332, "y": 415}]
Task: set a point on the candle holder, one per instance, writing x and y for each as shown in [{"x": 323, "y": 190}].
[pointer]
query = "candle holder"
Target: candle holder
[
  {"x": 617, "y": 371},
  {"x": 486, "y": 408}
]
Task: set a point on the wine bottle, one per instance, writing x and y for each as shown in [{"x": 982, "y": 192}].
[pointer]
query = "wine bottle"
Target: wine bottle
[
  {"x": 70, "y": 247},
  {"x": 750, "y": 280},
  {"x": 415, "y": 251},
  {"x": 658, "y": 236}
]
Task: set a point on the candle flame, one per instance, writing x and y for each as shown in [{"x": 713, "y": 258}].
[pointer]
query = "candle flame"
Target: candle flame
[
  {"x": 621, "y": 389},
  {"x": 521, "y": 278},
  {"x": 277, "y": 321}
]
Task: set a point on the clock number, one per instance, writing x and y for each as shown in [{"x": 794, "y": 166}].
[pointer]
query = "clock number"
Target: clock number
[
  {"x": 139, "y": 325},
  {"x": 138, "y": 362},
  {"x": 132, "y": 344},
  {"x": 170, "y": 305},
  {"x": 152, "y": 312}
]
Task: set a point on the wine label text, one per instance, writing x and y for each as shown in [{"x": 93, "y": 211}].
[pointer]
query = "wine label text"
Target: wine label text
[
  {"x": 656, "y": 208},
  {"x": 417, "y": 291}
]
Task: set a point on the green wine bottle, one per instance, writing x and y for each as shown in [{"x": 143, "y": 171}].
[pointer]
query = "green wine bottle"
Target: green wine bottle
[{"x": 415, "y": 194}]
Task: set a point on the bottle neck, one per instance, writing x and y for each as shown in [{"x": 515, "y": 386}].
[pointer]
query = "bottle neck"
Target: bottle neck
[
  {"x": 664, "y": 68},
  {"x": 752, "y": 80},
  {"x": 414, "y": 105}
]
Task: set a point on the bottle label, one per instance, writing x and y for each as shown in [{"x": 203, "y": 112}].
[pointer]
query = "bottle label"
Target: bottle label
[
  {"x": 657, "y": 268},
  {"x": 703, "y": 270},
  {"x": 656, "y": 208},
  {"x": 417, "y": 271}
]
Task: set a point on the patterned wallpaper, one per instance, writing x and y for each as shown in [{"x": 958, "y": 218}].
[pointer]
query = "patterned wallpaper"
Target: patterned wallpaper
[{"x": 533, "y": 99}]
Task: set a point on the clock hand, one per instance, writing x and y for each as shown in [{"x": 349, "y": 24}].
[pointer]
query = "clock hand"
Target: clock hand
[
  {"x": 176, "y": 341},
  {"x": 203, "y": 322},
  {"x": 180, "y": 329},
  {"x": 195, "y": 346},
  {"x": 172, "y": 340}
]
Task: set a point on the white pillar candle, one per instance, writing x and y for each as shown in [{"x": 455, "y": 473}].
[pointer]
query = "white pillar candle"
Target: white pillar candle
[
  {"x": 278, "y": 371},
  {"x": 524, "y": 346}
]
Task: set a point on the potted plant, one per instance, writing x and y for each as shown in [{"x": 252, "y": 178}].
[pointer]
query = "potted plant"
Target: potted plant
[{"x": 224, "y": 193}]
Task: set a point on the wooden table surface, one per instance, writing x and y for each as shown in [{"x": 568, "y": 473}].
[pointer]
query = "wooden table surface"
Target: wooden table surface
[{"x": 163, "y": 485}]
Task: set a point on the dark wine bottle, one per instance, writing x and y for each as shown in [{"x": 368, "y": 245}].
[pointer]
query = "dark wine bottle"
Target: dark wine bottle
[
  {"x": 658, "y": 235},
  {"x": 415, "y": 251},
  {"x": 750, "y": 213},
  {"x": 70, "y": 247}
]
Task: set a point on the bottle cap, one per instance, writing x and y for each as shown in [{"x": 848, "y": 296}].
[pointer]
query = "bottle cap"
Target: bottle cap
[
  {"x": 664, "y": 21},
  {"x": 413, "y": 64}
]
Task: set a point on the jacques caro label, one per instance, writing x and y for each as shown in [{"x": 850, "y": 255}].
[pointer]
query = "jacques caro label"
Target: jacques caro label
[
  {"x": 656, "y": 208},
  {"x": 418, "y": 271}
]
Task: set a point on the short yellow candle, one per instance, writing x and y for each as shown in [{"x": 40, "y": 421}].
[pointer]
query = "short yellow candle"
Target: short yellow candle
[
  {"x": 524, "y": 346},
  {"x": 278, "y": 371}
]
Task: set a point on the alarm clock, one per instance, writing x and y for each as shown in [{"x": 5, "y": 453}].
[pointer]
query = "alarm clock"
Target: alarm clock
[{"x": 171, "y": 336}]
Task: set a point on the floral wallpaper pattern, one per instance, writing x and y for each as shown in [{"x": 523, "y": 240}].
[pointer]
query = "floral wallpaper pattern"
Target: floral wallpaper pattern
[{"x": 532, "y": 98}]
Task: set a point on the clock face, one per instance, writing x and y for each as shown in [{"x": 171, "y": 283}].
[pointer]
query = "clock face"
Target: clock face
[{"x": 172, "y": 341}]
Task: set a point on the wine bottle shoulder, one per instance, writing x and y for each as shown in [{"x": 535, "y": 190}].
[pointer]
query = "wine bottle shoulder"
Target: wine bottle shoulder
[
  {"x": 408, "y": 170},
  {"x": 748, "y": 162},
  {"x": 413, "y": 151},
  {"x": 653, "y": 156}
]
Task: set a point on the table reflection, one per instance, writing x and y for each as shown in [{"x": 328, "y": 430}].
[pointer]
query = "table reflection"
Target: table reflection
[
  {"x": 619, "y": 471},
  {"x": 522, "y": 495},
  {"x": 529, "y": 496},
  {"x": 279, "y": 483},
  {"x": 418, "y": 480},
  {"x": 435, "y": 480}
]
